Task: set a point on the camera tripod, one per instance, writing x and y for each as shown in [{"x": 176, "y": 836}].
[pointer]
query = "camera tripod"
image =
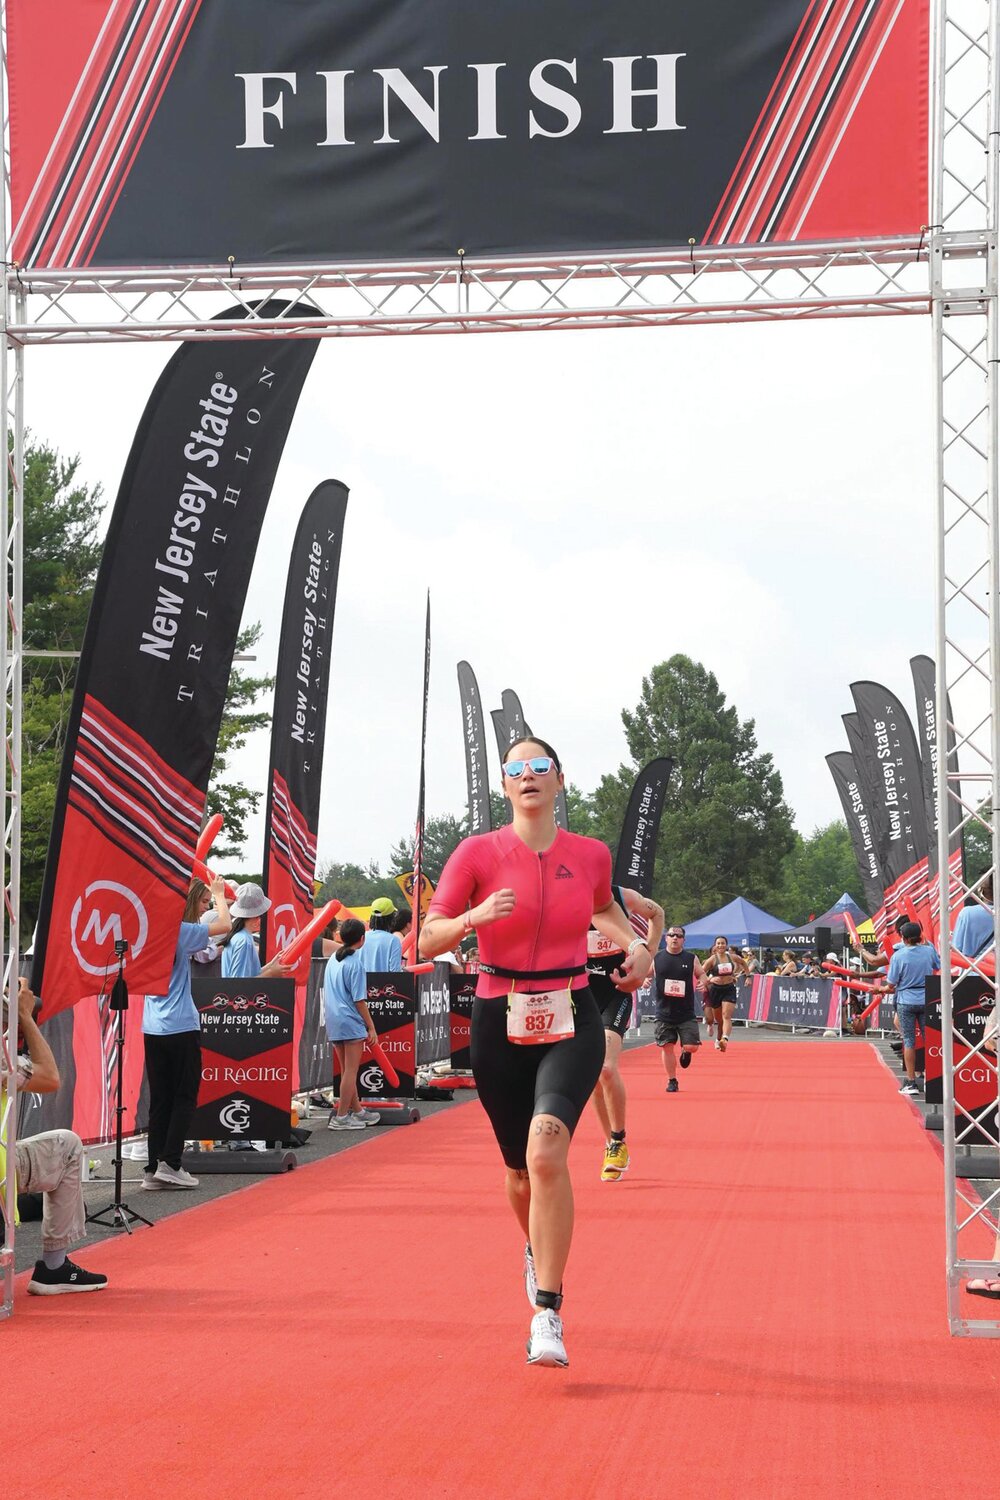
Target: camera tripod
[{"x": 122, "y": 1217}]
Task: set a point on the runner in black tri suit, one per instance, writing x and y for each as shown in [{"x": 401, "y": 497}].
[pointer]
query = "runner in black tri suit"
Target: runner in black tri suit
[
  {"x": 604, "y": 958},
  {"x": 676, "y": 975},
  {"x": 721, "y": 968}
]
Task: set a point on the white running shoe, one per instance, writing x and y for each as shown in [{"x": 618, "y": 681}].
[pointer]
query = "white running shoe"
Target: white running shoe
[
  {"x": 545, "y": 1343},
  {"x": 530, "y": 1279},
  {"x": 345, "y": 1122},
  {"x": 174, "y": 1177},
  {"x": 366, "y": 1116}
]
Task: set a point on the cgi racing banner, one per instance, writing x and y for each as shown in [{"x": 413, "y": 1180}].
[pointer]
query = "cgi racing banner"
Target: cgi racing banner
[
  {"x": 246, "y": 1059},
  {"x": 975, "y": 1069},
  {"x": 896, "y": 773},
  {"x": 157, "y": 654},
  {"x": 641, "y": 826},
  {"x": 300, "y": 131},
  {"x": 859, "y": 826},
  {"x": 474, "y": 737},
  {"x": 298, "y": 725}
]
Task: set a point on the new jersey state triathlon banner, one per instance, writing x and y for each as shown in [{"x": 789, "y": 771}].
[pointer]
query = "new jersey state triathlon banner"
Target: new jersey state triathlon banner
[
  {"x": 156, "y": 659},
  {"x": 896, "y": 773},
  {"x": 298, "y": 722},
  {"x": 295, "y": 130},
  {"x": 641, "y": 827},
  {"x": 474, "y": 737},
  {"x": 859, "y": 826}
]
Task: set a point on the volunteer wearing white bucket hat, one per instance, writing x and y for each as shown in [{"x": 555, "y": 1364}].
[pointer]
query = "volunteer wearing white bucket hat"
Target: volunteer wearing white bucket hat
[{"x": 239, "y": 951}]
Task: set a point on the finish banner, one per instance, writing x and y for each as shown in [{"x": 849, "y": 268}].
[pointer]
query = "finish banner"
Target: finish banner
[
  {"x": 298, "y": 724},
  {"x": 641, "y": 827},
  {"x": 859, "y": 826},
  {"x": 300, "y": 131},
  {"x": 157, "y": 655},
  {"x": 246, "y": 1059},
  {"x": 474, "y": 737}
]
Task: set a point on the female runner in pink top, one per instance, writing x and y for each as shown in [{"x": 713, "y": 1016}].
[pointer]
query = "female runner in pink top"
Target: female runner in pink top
[{"x": 531, "y": 891}]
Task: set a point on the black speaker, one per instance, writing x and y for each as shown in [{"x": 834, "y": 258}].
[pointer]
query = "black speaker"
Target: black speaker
[{"x": 824, "y": 942}]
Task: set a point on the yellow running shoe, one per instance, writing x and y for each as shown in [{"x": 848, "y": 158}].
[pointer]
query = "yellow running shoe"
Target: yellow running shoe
[{"x": 615, "y": 1161}]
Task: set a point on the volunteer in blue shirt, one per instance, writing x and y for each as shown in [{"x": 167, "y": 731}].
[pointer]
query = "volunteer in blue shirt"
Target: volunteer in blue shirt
[
  {"x": 974, "y": 929},
  {"x": 348, "y": 1023},
  {"x": 382, "y": 952},
  {"x": 912, "y": 963},
  {"x": 172, "y": 1034},
  {"x": 240, "y": 959}
]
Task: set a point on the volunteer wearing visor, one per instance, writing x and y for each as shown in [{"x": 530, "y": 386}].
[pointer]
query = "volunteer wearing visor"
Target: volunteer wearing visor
[{"x": 530, "y": 891}]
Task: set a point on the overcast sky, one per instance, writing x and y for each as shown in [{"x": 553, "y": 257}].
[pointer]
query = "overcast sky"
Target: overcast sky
[{"x": 581, "y": 506}]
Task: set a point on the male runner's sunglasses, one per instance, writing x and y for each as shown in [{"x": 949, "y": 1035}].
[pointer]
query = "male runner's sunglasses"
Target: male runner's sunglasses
[
  {"x": 675, "y": 934},
  {"x": 540, "y": 765}
]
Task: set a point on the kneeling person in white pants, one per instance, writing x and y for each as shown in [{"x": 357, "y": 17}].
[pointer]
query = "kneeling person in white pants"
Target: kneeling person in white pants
[{"x": 49, "y": 1164}]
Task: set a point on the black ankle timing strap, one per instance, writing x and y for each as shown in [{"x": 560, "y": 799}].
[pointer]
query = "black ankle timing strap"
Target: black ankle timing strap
[{"x": 552, "y": 1300}]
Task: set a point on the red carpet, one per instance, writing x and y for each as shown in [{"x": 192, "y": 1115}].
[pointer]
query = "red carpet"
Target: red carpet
[{"x": 757, "y": 1309}]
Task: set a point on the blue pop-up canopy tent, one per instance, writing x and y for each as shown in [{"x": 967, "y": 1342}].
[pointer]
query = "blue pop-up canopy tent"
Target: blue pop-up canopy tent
[
  {"x": 740, "y": 922},
  {"x": 834, "y": 918}
]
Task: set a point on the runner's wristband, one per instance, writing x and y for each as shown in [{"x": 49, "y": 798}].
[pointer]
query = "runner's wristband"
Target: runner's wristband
[{"x": 636, "y": 943}]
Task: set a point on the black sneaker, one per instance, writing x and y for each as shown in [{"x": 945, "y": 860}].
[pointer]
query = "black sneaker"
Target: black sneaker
[
  {"x": 69, "y": 1278},
  {"x": 672, "y": 1086},
  {"x": 685, "y": 1059}
]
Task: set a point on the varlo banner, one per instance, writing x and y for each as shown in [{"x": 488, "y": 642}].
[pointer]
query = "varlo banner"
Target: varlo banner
[
  {"x": 298, "y": 724},
  {"x": 297, "y": 131},
  {"x": 157, "y": 655}
]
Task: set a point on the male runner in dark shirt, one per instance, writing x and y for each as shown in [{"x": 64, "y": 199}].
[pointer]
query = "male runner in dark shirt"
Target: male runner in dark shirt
[{"x": 676, "y": 973}]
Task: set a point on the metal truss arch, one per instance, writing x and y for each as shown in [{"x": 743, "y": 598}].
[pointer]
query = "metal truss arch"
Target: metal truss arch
[{"x": 948, "y": 269}]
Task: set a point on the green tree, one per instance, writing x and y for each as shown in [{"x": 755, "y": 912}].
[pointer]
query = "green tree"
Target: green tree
[
  {"x": 357, "y": 885},
  {"x": 726, "y": 827},
  {"x": 816, "y": 872},
  {"x": 241, "y": 718},
  {"x": 977, "y": 845},
  {"x": 441, "y": 836},
  {"x": 61, "y": 553}
]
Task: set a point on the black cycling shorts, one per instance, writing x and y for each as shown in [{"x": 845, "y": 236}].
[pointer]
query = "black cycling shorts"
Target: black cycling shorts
[
  {"x": 721, "y": 994},
  {"x": 615, "y": 1007},
  {"x": 516, "y": 1083}
]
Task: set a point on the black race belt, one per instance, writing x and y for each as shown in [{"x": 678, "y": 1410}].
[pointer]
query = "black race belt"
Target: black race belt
[{"x": 501, "y": 973}]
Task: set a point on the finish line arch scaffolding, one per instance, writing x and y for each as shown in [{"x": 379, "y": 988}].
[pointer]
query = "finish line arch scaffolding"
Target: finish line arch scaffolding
[{"x": 949, "y": 271}]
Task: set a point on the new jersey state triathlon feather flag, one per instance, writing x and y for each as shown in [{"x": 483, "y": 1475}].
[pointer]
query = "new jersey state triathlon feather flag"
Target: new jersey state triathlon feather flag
[
  {"x": 299, "y": 720},
  {"x": 156, "y": 660}
]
